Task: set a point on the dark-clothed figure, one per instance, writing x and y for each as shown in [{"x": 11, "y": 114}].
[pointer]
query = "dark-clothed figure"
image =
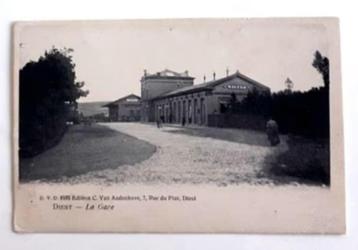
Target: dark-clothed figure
[
  {"x": 272, "y": 132},
  {"x": 183, "y": 121},
  {"x": 159, "y": 123}
]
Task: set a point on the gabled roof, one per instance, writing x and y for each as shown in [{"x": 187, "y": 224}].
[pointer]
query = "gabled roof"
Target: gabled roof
[
  {"x": 210, "y": 85},
  {"x": 121, "y": 99}
]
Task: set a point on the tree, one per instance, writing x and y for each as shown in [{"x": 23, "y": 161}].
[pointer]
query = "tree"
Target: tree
[
  {"x": 321, "y": 63},
  {"x": 48, "y": 100}
]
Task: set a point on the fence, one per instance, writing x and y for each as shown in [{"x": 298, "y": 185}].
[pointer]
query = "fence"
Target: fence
[{"x": 245, "y": 121}]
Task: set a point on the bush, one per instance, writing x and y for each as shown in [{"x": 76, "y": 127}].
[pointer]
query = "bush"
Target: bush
[
  {"x": 307, "y": 160},
  {"x": 303, "y": 113}
]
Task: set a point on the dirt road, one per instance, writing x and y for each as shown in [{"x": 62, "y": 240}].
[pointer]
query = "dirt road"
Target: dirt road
[{"x": 188, "y": 155}]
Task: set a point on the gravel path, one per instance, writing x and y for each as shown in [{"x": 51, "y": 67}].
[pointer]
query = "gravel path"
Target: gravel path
[{"x": 184, "y": 158}]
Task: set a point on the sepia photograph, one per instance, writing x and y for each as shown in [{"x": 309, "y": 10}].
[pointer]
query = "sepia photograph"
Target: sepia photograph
[{"x": 176, "y": 110}]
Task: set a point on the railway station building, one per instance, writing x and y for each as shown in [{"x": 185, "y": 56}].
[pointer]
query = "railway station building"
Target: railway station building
[
  {"x": 173, "y": 97},
  {"x": 124, "y": 109}
]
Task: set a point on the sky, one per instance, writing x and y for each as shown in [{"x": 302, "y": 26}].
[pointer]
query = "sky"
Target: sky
[{"x": 110, "y": 56}]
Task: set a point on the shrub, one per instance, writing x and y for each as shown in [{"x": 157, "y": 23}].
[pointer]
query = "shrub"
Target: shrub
[{"x": 307, "y": 160}]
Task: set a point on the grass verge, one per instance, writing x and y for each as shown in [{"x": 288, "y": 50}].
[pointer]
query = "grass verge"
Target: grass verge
[
  {"x": 84, "y": 149},
  {"x": 305, "y": 161}
]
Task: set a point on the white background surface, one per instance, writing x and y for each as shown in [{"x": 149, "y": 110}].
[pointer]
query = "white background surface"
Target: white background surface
[{"x": 13, "y": 10}]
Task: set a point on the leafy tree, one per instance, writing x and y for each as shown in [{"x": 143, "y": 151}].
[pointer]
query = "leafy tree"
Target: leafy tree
[
  {"x": 254, "y": 103},
  {"x": 321, "y": 63},
  {"x": 48, "y": 100}
]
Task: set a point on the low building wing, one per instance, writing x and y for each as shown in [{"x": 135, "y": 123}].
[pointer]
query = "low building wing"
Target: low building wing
[
  {"x": 124, "y": 109},
  {"x": 132, "y": 98}
]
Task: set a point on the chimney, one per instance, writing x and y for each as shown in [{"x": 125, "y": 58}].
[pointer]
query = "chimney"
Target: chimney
[
  {"x": 186, "y": 73},
  {"x": 204, "y": 78},
  {"x": 227, "y": 71},
  {"x": 214, "y": 74},
  {"x": 145, "y": 73}
]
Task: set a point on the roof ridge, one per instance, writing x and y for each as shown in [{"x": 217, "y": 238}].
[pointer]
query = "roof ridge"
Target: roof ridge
[
  {"x": 212, "y": 84},
  {"x": 166, "y": 73},
  {"x": 121, "y": 98}
]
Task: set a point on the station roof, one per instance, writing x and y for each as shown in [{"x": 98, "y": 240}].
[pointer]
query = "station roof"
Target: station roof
[
  {"x": 121, "y": 99},
  {"x": 210, "y": 85}
]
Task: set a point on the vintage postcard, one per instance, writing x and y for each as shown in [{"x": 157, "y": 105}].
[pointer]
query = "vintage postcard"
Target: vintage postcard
[{"x": 178, "y": 126}]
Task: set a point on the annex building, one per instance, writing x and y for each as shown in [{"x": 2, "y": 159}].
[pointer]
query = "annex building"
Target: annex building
[
  {"x": 173, "y": 97},
  {"x": 124, "y": 109}
]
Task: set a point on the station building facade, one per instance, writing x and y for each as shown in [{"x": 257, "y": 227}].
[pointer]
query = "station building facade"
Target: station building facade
[
  {"x": 155, "y": 85},
  {"x": 124, "y": 109},
  {"x": 177, "y": 99}
]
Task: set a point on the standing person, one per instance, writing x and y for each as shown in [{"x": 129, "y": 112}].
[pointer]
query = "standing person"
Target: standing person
[
  {"x": 159, "y": 125},
  {"x": 159, "y": 117},
  {"x": 272, "y": 132},
  {"x": 161, "y": 120},
  {"x": 189, "y": 115},
  {"x": 183, "y": 121}
]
